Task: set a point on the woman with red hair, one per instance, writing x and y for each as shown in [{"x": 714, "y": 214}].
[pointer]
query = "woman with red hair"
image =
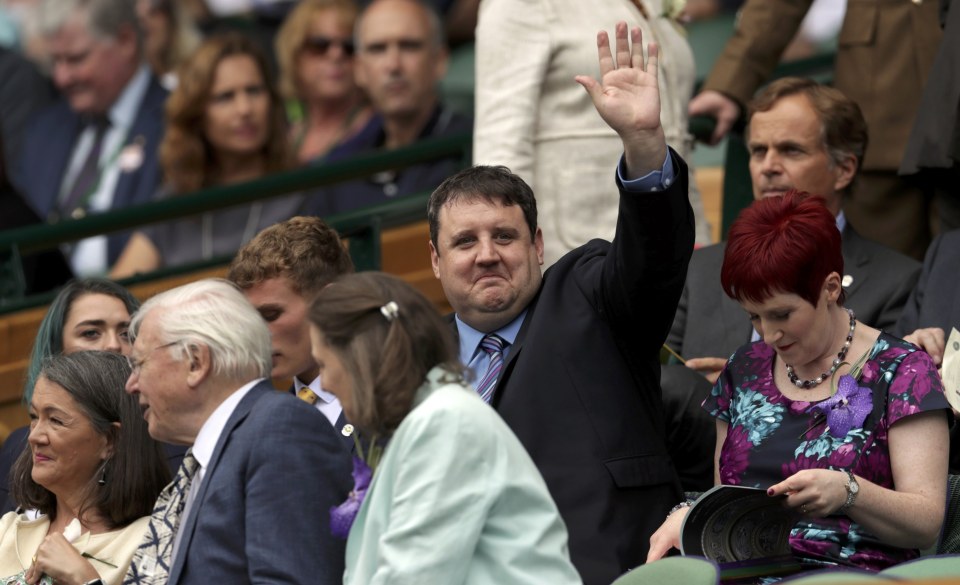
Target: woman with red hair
[{"x": 845, "y": 421}]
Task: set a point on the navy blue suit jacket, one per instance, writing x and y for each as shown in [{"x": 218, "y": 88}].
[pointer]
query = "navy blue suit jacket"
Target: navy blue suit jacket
[
  {"x": 48, "y": 142},
  {"x": 262, "y": 512}
]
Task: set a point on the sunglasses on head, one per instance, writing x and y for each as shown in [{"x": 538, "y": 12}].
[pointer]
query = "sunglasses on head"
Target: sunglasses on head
[{"x": 320, "y": 45}]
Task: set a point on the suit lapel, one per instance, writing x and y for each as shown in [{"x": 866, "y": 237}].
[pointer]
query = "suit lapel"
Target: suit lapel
[
  {"x": 856, "y": 261},
  {"x": 515, "y": 350},
  {"x": 347, "y": 439},
  {"x": 142, "y": 132},
  {"x": 239, "y": 415},
  {"x": 57, "y": 156}
]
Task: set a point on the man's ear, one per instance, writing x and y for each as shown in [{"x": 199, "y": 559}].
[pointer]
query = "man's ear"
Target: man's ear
[
  {"x": 200, "y": 364},
  {"x": 434, "y": 260},
  {"x": 845, "y": 171}
]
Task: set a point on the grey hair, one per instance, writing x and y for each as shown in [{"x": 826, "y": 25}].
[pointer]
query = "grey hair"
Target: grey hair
[
  {"x": 212, "y": 312},
  {"x": 105, "y": 18},
  {"x": 437, "y": 33}
]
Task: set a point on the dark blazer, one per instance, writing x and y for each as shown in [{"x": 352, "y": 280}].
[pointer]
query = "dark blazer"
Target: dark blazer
[
  {"x": 48, "y": 143},
  {"x": 580, "y": 388},
  {"x": 338, "y": 426},
  {"x": 262, "y": 512},
  {"x": 708, "y": 323},
  {"x": 935, "y": 302}
]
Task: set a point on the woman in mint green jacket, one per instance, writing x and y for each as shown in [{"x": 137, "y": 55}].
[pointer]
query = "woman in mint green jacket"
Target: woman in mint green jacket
[{"x": 452, "y": 497}]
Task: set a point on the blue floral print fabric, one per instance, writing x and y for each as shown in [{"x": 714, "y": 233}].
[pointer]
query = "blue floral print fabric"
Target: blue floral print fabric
[{"x": 771, "y": 437}]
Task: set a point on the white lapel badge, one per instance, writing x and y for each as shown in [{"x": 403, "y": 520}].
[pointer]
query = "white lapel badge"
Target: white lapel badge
[{"x": 131, "y": 157}]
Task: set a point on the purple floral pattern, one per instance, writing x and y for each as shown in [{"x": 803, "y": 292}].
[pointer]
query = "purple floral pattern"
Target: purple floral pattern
[{"x": 771, "y": 437}]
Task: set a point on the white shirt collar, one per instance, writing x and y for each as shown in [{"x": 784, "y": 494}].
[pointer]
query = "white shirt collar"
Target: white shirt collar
[{"x": 124, "y": 111}]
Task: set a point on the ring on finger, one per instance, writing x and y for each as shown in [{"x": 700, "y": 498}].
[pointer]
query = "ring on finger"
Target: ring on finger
[{"x": 803, "y": 509}]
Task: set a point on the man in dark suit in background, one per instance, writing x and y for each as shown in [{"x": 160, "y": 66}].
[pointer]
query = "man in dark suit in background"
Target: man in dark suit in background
[
  {"x": 263, "y": 469},
  {"x": 401, "y": 57},
  {"x": 570, "y": 358},
  {"x": 806, "y": 136},
  {"x": 95, "y": 149},
  {"x": 280, "y": 271}
]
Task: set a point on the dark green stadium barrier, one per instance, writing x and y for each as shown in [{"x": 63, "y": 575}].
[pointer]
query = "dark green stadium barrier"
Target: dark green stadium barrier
[{"x": 361, "y": 226}]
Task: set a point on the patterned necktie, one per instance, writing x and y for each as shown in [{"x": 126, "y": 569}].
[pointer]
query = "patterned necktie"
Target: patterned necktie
[
  {"x": 152, "y": 560},
  {"x": 89, "y": 175},
  {"x": 492, "y": 344}
]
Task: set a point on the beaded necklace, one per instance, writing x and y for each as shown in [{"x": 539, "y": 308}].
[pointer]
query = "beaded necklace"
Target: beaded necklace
[{"x": 807, "y": 384}]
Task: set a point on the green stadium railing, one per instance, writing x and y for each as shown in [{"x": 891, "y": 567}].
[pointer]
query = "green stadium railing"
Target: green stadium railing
[{"x": 363, "y": 227}]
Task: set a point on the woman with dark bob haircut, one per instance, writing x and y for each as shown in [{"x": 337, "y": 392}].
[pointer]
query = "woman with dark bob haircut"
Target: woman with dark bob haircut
[
  {"x": 89, "y": 476},
  {"x": 454, "y": 497},
  {"x": 844, "y": 422}
]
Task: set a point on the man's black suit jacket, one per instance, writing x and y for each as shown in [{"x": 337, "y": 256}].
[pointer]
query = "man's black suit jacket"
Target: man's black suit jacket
[{"x": 580, "y": 388}]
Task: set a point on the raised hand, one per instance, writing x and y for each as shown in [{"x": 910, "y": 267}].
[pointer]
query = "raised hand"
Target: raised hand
[{"x": 627, "y": 97}]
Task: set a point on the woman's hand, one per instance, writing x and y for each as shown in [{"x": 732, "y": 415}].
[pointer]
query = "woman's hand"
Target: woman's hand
[
  {"x": 815, "y": 492},
  {"x": 60, "y": 560},
  {"x": 667, "y": 536}
]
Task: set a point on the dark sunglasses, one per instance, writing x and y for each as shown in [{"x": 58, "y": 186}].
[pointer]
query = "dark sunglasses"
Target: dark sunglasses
[{"x": 319, "y": 46}]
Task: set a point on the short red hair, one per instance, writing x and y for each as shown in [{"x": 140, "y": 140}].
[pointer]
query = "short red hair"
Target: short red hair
[{"x": 787, "y": 244}]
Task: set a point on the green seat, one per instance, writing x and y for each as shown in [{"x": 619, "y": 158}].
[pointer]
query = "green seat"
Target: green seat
[
  {"x": 686, "y": 570},
  {"x": 838, "y": 577},
  {"x": 935, "y": 567}
]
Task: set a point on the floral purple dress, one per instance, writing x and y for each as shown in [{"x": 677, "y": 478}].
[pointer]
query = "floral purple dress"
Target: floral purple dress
[{"x": 771, "y": 437}]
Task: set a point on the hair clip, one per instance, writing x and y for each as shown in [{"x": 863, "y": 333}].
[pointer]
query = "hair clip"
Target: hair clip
[{"x": 390, "y": 311}]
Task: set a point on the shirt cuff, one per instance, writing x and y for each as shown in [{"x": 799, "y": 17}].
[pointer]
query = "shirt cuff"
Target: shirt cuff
[{"x": 652, "y": 181}]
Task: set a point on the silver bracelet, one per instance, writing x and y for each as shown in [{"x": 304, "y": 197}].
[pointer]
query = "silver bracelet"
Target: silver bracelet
[{"x": 683, "y": 504}]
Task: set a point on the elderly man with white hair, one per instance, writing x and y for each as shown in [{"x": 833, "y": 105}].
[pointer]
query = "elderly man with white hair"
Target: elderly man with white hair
[{"x": 251, "y": 501}]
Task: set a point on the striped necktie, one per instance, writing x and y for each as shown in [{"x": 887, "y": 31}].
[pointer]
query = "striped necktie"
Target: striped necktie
[
  {"x": 89, "y": 176},
  {"x": 492, "y": 344},
  {"x": 152, "y": 560}
]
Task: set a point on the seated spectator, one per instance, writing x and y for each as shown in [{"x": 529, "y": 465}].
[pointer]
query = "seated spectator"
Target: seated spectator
[
  {"x": 24, "y": 91},
  {"x": 279, "y": 272},
  {"x": 401, "y": 57},
  {"x": 843, "y": 421},
  {"x": 170, "y": 37},
  {"x": 263, "y": 469},
  {"x": 87, "y": 314},
  {"x": 42, "y": 270},
  {"x": 315, "y": 51},
  {"x": 94, "y": 150},
  {"x": 454, "y": 498},
  {"x": 933, "y": 308},
  {"x": 804, "y": 136},
  {"x": 225, "y": 125},
  {"x": 91, "y": 473}
]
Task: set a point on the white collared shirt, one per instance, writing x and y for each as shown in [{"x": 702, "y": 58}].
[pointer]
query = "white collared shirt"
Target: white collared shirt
[
  {"x": 328, "y": 405},
  {"x": 203, "y": 447},
  {"x": 89, "y": 256}
]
